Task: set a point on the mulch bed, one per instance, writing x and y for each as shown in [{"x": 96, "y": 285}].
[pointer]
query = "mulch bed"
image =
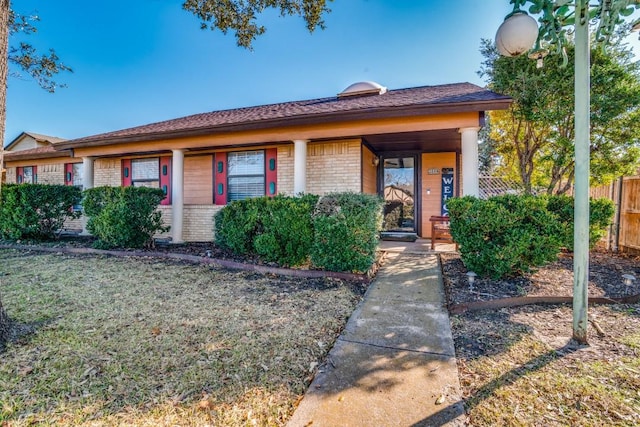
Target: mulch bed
[
  {"x": 556, "y": 279},
  {"x": 550, "y": 323},
  {"x": 199, "y": 252}
]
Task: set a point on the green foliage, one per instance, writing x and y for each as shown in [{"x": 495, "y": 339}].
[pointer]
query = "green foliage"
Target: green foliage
[
  {"x": 534, "y": 137},
  {"x": 287, "y": 230},
  {"x": 240, "y": 16},
  {"x": 339, "y": 232},
  {"x": 277, "y": 229},
  {"x": 125, "y": 217},
  {"x": 505, "y": 235},
  {"x": 238, "y": 223},
  {"x": 600, "y": 215},
  {"x": 346, "y": 231},
  {"x": 36, "y": 211}
]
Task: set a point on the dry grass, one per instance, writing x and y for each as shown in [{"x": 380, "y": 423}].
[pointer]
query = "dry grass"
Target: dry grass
[
  {"x": 518, "y": 367},
  {"x": 139, "y": 341}
]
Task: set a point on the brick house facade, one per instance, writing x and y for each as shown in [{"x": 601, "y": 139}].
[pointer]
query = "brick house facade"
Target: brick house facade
[{"x": 401, "y": 144}]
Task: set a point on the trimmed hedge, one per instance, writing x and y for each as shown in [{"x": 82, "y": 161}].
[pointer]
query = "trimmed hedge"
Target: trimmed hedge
[
  {"x": 237, "y": 224},
  {"x": 36, "y": 211},
  {"x": 504, "y": 235},
  {"x": 287, "y": 230},
  {"x": 338, "y": 232},
  {"x": 600, "y": 216},
  {"x": 346, "y": 231},
  {"x": 125, "y": 217},
  {"x": 277, "y": 229}
]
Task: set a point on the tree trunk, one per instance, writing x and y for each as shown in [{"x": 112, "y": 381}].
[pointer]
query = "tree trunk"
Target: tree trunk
[
  {"x": 4, "y": 326},
  {"x": 4, "y": 61}
]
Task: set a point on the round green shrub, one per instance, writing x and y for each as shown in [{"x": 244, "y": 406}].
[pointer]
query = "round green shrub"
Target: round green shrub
[{"x": 504, "y": 235}]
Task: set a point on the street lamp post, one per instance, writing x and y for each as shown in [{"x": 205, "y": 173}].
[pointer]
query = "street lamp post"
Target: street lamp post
[{"x": 516, "y": 36}]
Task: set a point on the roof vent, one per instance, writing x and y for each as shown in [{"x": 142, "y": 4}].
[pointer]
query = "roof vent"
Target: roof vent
[{"x": 363, "y": 89}]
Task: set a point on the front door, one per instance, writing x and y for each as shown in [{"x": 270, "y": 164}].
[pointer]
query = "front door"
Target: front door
[{"x": 399, "y": 190}]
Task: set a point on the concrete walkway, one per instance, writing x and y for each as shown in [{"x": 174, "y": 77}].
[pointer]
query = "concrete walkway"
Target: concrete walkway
[{"x": 394, "y": 364}]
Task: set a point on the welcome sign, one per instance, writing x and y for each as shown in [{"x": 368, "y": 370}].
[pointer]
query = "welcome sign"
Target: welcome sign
[{"x": 447, "y": 189}]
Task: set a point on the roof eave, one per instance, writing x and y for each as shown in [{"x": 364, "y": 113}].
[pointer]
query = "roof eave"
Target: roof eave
[
  {"x": 338, "y": 116},
  {"x": 17, "y": 155}
]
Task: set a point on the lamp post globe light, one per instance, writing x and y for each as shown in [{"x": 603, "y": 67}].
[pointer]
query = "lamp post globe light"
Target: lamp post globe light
[{"x": 557, "y": 19}]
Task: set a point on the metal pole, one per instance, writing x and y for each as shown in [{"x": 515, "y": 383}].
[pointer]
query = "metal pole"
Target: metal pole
[{"x": 582, "y": 153}]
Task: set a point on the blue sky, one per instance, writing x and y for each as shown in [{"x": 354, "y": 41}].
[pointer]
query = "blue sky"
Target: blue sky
[{"x": 137, "y": 62}]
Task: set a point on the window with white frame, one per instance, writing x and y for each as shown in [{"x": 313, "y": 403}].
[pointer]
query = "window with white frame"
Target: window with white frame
[
  {"x": 145, "y": 172},
  {"x": 246, "y": 175}
]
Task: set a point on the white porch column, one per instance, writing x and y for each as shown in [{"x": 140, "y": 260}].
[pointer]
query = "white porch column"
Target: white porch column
[
  {"x": 87, "y": 172},
  {"x": 177, "y": 195},
  {"x": 470, "y": 163},
  {"x": 299, "y": 166},
  {"x": 87, "y": 183}
]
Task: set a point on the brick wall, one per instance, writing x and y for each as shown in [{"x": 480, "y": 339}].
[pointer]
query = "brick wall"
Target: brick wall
[
  {"x": 11, "y": 175},
  {"x": 197, "y": 223},
  {"x": 107, "y": 172},
  {"x": 334, "y": 166},
  {"x": 51, "y": 174},
  {"x": 285, "y": 169}
]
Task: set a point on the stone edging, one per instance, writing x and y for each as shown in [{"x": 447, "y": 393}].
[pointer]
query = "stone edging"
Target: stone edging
[
  {"x": 263, "y": 269},
  {"x": 548, "y": 300}
]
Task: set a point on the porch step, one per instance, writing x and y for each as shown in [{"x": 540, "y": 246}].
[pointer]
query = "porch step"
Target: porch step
[{"x": 398, "y": 236}]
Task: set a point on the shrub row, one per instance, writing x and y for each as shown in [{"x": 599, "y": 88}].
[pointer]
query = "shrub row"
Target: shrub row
[
  {"x": 336, "y": 232},
  {"x": 509, "y": 235},
  {"x": 34, "y": 211}
]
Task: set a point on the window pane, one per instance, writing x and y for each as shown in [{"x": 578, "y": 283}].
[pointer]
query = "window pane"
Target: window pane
[
  {"x": 244, "y": 187},
  {"x": 27, "y": 173},
  {"x": 77, "y": 174},
  {"x": 145, "y": 169},
  {"x": 246, "y": 163}
]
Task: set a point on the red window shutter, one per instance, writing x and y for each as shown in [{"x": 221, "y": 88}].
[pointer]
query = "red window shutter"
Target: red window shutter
[
  {"x": 126, "y": 172},
  {"x": 68, "y": 174},
  {"x": 19, "y": 175},
  {"x": 220, "y": 179},
  {"x": 165, "y": 179},
  {"x": 271, "y": 172},
  {"x": 35, "y": 174}
]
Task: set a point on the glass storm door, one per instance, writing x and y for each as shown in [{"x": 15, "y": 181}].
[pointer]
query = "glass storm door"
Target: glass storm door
[{"x": 399, "y": 179}]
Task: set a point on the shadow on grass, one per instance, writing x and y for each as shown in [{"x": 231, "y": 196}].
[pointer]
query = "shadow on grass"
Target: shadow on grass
[
  {"x": 21, "y": 333},
  {"x": 508, "y": 378}
]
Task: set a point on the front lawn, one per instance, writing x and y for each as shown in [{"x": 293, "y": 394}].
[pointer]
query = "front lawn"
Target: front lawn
[{"x": 142, "y": 341}]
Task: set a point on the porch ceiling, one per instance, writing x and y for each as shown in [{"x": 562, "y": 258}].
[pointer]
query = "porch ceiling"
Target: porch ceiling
[{"x": 428, "y": 141}]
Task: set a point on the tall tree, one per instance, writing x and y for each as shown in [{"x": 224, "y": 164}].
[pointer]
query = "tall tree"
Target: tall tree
[
  {"x": 535, "y": 136},
  {"x": 240, "y": 16},
  {"x": 41, "y": 67}
]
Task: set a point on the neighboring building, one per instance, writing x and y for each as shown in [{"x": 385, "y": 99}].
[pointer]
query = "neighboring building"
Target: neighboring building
[
  {"x": 31, "y": 158},
  {"x": 421, "y": 140}
]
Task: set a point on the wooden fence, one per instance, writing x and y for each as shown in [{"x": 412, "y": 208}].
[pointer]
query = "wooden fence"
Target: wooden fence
[{"x": 624, "y": 234}]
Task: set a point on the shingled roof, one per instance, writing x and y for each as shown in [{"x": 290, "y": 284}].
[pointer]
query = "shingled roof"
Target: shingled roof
[
  {"x": 36, "y": 153},
  {"x": 458, "y": 97}
]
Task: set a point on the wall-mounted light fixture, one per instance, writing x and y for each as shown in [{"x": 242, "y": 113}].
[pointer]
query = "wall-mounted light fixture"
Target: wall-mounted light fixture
[{"x": 375, "y": 161}]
